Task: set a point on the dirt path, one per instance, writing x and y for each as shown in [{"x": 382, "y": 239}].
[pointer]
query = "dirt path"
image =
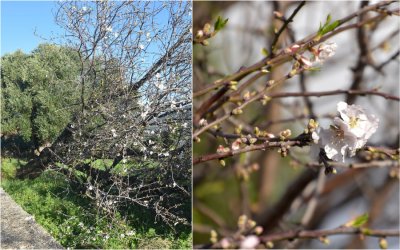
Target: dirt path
[{"x": 19, "y": 229}]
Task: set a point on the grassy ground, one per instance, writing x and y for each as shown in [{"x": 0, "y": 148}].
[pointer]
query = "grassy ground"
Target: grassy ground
[{"x": 75, "y": 223}]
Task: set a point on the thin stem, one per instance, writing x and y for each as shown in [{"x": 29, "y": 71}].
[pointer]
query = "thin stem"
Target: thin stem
[{"x": 285, "y": 24}]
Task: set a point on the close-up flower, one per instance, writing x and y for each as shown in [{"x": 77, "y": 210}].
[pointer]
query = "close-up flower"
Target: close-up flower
[
  {"x": 325, "y": 51},
  {"x": 349, "y": 133}
]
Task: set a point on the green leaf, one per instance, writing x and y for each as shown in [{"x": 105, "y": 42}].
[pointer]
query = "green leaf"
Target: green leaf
[
  {"x": 328, "y": 26},
  {"x": 220, "y": 24},
  {"x": 328, "y": 19},
  {"x": 358, "y": 222}
]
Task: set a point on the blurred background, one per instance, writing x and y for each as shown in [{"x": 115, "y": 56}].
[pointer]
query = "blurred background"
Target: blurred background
[{"x": 260, "y": 184}]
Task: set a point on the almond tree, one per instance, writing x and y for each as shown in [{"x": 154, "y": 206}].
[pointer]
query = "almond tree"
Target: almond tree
[{"x": 129, "y": 142}]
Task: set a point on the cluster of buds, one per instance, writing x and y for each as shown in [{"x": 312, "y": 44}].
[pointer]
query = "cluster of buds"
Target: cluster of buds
[
  {"x": 213, "y": 236},
  {"x": 221, "y": 149},
  {"x": 263, "y": 133},
  {"x": 233, "y": 85},
  {"x": 285, "y": 134},
  {"x": 237, "y": 111},
  {"x": 203, "y": 34},
  {"x": 283, "y": 150},
  {"x": 245, "y": 224},
  {"x": 248, "y": 95},
  {"x": 249, "y": 140},
  {"x": 265, "y": 99}
]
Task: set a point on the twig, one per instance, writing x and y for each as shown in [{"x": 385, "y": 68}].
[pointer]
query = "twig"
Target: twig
[
  {"x": 307, "y": 234},
  {"x": 263, "y": 146},
  {"x": 336, "y": 92},
  {"x": 285, "y": 24},
  {"x": 394, "y": 56}
]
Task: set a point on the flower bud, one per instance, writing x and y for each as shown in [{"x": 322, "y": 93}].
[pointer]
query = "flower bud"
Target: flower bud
[
  {"x": 236, "y": 144},
  {"x": 252, "y": 140},
  {"x": 285, "y": 134},
  {"x": 203, "y": 122},
  {"x": 237, "y": 111},
  {"x": 205, "y": 43},
  {"x": 265, "y": 99},
  {"x": 238, "y": 129},
  {"x": 199, "y": 34},
  {"x": 213, "y": 236},
  {"x": 242, "y": 221},
  {"x": 383, "y": 243},
  {"x": 246, "y": 96},
  {"x": 258, "y": 230},
  {"x": 257, "y": 131},
  {"x": 207, "y": 28},
  {"x": 324, "y": 240},
  {"x": 270, "y": 244}
]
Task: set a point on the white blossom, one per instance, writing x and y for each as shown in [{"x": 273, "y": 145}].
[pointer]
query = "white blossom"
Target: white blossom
[
  {"x": 84, "y": 8},
  {"x": 350, "y": 132},
  {"x": 324, "y": 51},
  {"x": 355, "y": 121},
  {"x": 109, "y": 29},
  {"x": 141, "y": 46},
  {"x": 250, "y": 242}
]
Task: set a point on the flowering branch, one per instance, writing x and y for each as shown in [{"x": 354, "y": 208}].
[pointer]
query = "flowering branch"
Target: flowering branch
[
  {"x": 300, "y": 141},
  {"x": 337, "y": 92},
  {"x": 309, "y": 234}
]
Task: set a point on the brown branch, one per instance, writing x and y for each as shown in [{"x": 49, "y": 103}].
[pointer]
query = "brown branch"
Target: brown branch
[
  {"x": 307, "y": 234},
  {"x": 298, "y": 141},
  {"x": 393, "y": 57},
  {"x": 336, "y": 92}
]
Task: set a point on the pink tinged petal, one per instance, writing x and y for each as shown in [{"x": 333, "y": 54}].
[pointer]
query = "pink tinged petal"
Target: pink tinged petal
[
  {"x": 294, "y": 48},
  {"x": 307, "y": 63},
  {"x": 250, "y": 242}
]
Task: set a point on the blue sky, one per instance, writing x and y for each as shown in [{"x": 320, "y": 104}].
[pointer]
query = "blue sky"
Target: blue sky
[{"x": 19, "y": 20}]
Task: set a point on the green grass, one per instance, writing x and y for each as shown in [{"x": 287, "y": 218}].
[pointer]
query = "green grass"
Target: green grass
[{"x": 75, "y": 223}]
